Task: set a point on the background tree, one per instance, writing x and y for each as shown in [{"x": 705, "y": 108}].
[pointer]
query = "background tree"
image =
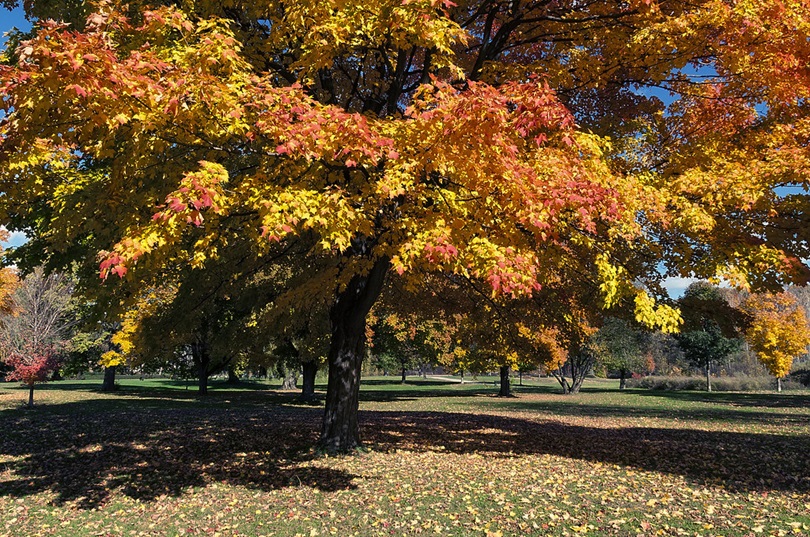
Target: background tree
[
  {"x": 710, "y": 332},
  {"x": 618, "y": 348},
  {"x": 32, "y": 365},
  {"x": 777, "y": 331},
  {"x": 43, "y": 316},
  {"x": 396, "y": 343}
]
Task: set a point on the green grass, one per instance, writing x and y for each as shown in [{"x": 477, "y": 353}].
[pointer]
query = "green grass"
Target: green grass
[{"x": 442, "y": 458}]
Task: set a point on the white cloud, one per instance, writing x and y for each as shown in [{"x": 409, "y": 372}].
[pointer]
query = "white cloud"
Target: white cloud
[
  {"x": 676, "y": 285},
  {"x": 15, "y": 238}
]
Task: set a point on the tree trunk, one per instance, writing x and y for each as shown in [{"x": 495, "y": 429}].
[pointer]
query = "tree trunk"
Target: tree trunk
[
  {"x": 505, "y": 390},
  {"x": 520, "y": 376},
  {"x": 576, "y": 384},
  {"x": 290, "y": 381},
  {"x": 202, "y": 381},
  {"x": 30, "y": 396},
  {"x": 233, "y": 378},
  {"x": 708, "y": 376},
  {"x": 108, "y": 385},
  {"x": 462, "y": 376},
  {"x": 559, "y": 374},
  {"x": 339, "y": 433},
  {"x": 403, "y": 375},
  {"x": 622, "y": 379},
  {"x": 199, "y": 353},
  {"x": 308, "y": 386},
  {"x": 779, "y": 384}
]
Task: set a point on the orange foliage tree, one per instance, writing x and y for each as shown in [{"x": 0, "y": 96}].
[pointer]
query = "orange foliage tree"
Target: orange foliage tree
[{"x": 490, "y": 140}]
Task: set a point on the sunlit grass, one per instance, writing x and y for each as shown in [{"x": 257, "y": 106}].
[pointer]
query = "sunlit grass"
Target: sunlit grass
[{"x": 153, "y": 458}]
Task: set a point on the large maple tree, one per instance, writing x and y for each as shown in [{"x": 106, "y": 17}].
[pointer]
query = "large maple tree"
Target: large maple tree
[{"x": 493, "y": 140}]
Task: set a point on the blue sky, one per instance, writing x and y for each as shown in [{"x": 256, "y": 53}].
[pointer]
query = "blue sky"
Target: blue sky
[{"x": 9, "y": 20}]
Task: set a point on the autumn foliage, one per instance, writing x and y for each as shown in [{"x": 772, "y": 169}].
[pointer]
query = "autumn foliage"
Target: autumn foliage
[
  {"x": 31, "y": 366},
  {"x": 778, "y": 331},
  {"x": 511, "y": 145}
]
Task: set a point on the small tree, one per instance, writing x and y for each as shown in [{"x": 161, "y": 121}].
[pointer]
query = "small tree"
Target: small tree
[
  {"x": 395, "y": 344},
  {"x": 617, "y": 346},
  {"x": 777, "y": 331},
  {"x": 706, "y": 349},
  {"x": 709, "y": 335},
  {"x": 31, "y": 366}
]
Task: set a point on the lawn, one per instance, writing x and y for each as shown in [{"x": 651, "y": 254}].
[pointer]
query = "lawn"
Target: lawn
[{"x": 442, "y": 459}]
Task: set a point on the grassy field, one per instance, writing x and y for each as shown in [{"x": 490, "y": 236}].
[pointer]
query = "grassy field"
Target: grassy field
[{"x": 441, "y": 459}]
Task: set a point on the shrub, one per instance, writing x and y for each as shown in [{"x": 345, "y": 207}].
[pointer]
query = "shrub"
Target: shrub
[
  {"x": 720, "y": 384},
  {"x": 801, "y": 376}
]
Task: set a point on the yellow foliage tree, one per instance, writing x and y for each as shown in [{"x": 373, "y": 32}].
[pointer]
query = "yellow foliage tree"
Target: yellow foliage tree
[{"x": 778, "y": 331}]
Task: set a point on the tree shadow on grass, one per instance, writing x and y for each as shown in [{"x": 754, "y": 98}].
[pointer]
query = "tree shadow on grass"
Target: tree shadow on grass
[
  {"x": 737, "y": 461},
  {"x": 739, "y": 399},
  {"x": 85, "y": 453},
  {"x": 705, "y": 413}
]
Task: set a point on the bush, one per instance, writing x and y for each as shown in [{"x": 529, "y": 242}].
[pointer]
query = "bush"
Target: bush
[
  {"x": 720, "y": 384},
  {"x": 802, "y": 376}
]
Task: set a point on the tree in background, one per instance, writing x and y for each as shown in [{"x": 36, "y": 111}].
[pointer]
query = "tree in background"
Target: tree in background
[
  {"x": 777, "y": 331},
  {"x": 42, "y": 320},
  {"x": 31, "y": 365},
  {"x": 36, "y": 332},
  {"x": 710, "y": 332},
  {"x": 618, "y": 348},
  {"x": 396, "y": 343}
]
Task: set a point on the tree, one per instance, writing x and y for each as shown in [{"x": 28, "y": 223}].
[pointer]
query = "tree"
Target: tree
[
  {"x": 706, "y": 349},
  {"x": 42, "y": 319},
  {"x": 395, "y": 343},
  {"x": 710, "y": 332},
  {"x": 359, "y": 126},
  {"x": 778, "y": 331},
  {"x": 618, "y": 348},
  {"x": 32, "y": 365}
]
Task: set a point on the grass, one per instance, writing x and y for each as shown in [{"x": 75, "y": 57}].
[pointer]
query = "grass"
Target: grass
[{"x": 442, "y": 459}]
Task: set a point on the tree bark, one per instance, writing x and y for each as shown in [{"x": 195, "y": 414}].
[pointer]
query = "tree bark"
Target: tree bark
[
  {"x": 199, "y": 353},
  {"x": 576, "y": 385},
  {"x": 559, "y": 374},
  {"x": 520, "y": 376},
  {"x": 339, "y": 433},
  {"x": 505, "y": 390},
  {"x": 308, "y": 382},
  {"x": 779, "y": 384},
  {"x": 290, "y": 381},
  {"x": 622, "y": 379},
  {"x": 403, "y": 375},
  {"x": 108, "y": 385},
  {"x": 30, "y": 396},
  {"x": 233, "y": 378},
  {"x": 708, "y": 376}
]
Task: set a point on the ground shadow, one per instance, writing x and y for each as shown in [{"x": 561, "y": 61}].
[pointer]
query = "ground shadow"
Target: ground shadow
[
  {"x": 86, "y": 451},
  {"x": 705, "y": 413},
  {"x": 737, "y": 461},
  {"x": 741, "y": 399}
]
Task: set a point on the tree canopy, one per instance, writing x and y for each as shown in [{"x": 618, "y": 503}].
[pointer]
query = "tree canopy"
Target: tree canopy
[{"x": 511, "y": 144}]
